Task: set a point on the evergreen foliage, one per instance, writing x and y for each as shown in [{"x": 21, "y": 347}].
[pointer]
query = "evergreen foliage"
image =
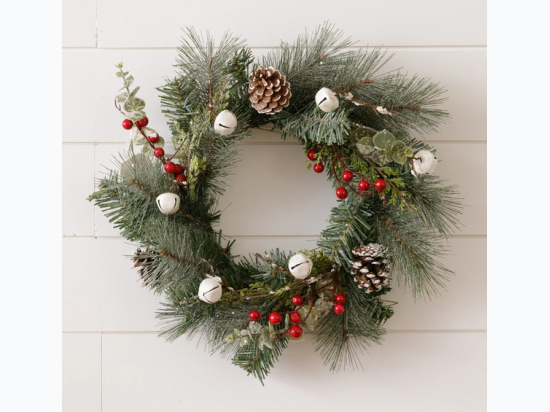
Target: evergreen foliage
[{"x": 410, "y": 217}]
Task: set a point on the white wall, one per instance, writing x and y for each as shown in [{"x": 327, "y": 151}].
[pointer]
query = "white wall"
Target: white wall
[{"x": 433, "y": 358}]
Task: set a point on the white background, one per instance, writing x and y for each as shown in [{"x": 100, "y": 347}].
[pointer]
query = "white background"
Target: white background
[{"x": 434, "y": 355}]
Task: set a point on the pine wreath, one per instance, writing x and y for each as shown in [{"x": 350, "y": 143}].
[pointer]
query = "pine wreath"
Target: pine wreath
[{"x": 356, "y": 124}]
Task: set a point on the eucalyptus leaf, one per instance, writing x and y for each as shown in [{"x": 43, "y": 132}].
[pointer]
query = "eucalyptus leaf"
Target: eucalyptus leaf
[
  {"x": 398, "y": 145},
  {"x": 381, "y": 139},
  {"x": 366, "y": 141},
  {"x": 358, "y": 134},
  {"x": 134, "y": 104},
  {"x": 399, "y": 157},
  {"x": 255, "y": 328},
  {"x": 365, "y": 150},
  {"x": 139, "y": 104},
  {"x": 272, "y": 332},
  {"x": 135, "y": 116},
  {"x": 380, "y": 157},
  {"x": 136, "y": 137},
  {"x": 121, "y": 98},
  {"x": 408, "y": 151},
  {"x": 134, "y": 91},
  {"x": 128, "y": 81}
]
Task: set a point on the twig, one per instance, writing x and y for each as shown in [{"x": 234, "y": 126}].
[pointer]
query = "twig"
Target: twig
[{"x": 399, "y": 192}]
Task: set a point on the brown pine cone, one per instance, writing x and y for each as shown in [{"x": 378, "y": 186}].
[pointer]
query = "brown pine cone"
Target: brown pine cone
[
  {"x": 370, "y": 270},
  {"x": 142, "y": 259},
  {"x": 269, "y": 91}
]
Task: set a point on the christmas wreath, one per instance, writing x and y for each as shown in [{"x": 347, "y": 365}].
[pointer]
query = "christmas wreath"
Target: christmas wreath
[{"x": 388, "y": 229}]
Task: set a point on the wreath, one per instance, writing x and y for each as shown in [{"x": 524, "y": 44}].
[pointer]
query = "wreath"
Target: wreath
[{"x": 389, "y": 227}]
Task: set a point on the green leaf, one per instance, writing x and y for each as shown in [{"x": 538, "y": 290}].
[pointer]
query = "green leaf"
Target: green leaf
[
  {"x": 381, "y": 139},
  {"x": 365, "y": 146},
  {"x": 272, "y": 332},
  {"x": 398, "y": 145},
  {"x": 121, "y": 98},
  {"x": 135, "y": 116},
  {"x": 128, "y": 81},
  {"x": 230, "y": 338},
  {"x": 134, "y": 104},
  {"x": 255, "y": 328},
  {"x": 139, "y": 104},
  {"x": 380, "y": 157},
  {"x": 399, "y": 157},
  {"x": 358, "y": 134},
  {"x": 134, "y": 91},
  {"x": 408, "y": 151}
]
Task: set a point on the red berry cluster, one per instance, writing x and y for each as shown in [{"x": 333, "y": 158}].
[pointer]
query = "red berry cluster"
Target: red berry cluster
[
  {"x": 177, "y": 170},
  {"x": 318, "y": 166},
  {"x": 169, "y": 167},
  {"x": 128, "y": 124},
  {"x": 340, "y": 299},
  {"x": 295, "y": 331},
  {"x": 347, "y": 176}
]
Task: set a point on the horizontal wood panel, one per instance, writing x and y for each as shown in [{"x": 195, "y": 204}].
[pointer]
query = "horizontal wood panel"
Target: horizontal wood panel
[
  {"x": 78, "y": 184},
  {"x": 90, "y": 84},
  {"x": 422, "y": 22},
  {"x": 79, "y": 23},
  {"x": 431, "y": 372},
  {"x": 102, "y": 291},
  {"x": 81, "y": 372}
]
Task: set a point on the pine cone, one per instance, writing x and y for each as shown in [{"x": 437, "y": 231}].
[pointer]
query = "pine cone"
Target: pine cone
[
  {"x": 142, "y": 259},
  {"x": 269, "y": 90},
  {"x": 370, "y": 269}
]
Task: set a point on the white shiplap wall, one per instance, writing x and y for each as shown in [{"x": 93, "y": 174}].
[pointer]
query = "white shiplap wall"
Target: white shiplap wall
[{"x": 433, "y": 358}]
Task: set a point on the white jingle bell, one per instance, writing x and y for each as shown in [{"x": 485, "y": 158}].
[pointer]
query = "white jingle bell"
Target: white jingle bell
[
  {"x": 168, "y": 203},
  {"x": 300, "y": 266},
  {"x": 210, "y": 290},
  {"x": 424, "y": 162},
  {"x": 226, "y": 123},
  {"x": 326, "y": 100}
]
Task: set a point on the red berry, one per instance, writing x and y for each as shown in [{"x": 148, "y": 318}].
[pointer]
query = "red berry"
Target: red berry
[
  {"x": 295, "y": 332},
  {"x": 180, "y": 179},
  {"x": 159, "y": 152},
  {"x": 295, "y": 317},
  {"x": 154, "y": 139},
  {"x": 364, "y": 185},
  {"x": 318, "y": 167},
  {"x": 380, "y": 185},
  {"x": 297, "y": 300},
  {"x": 178, "y": 170},
  {"x": 340, "y": 298},
  {"x": 341, "y": 193},
  {"x": 143, "y": 122},
  {"x": 127, "y": 124},
  {"x": 254, "y": 315},
  {"x": 311, "y": 154},
  {"x": 275, "y": 318},
  {"x": 169, "y": 167},
  {"x": 347, "y": 176},
  {"x": 339, "y": 309}
]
